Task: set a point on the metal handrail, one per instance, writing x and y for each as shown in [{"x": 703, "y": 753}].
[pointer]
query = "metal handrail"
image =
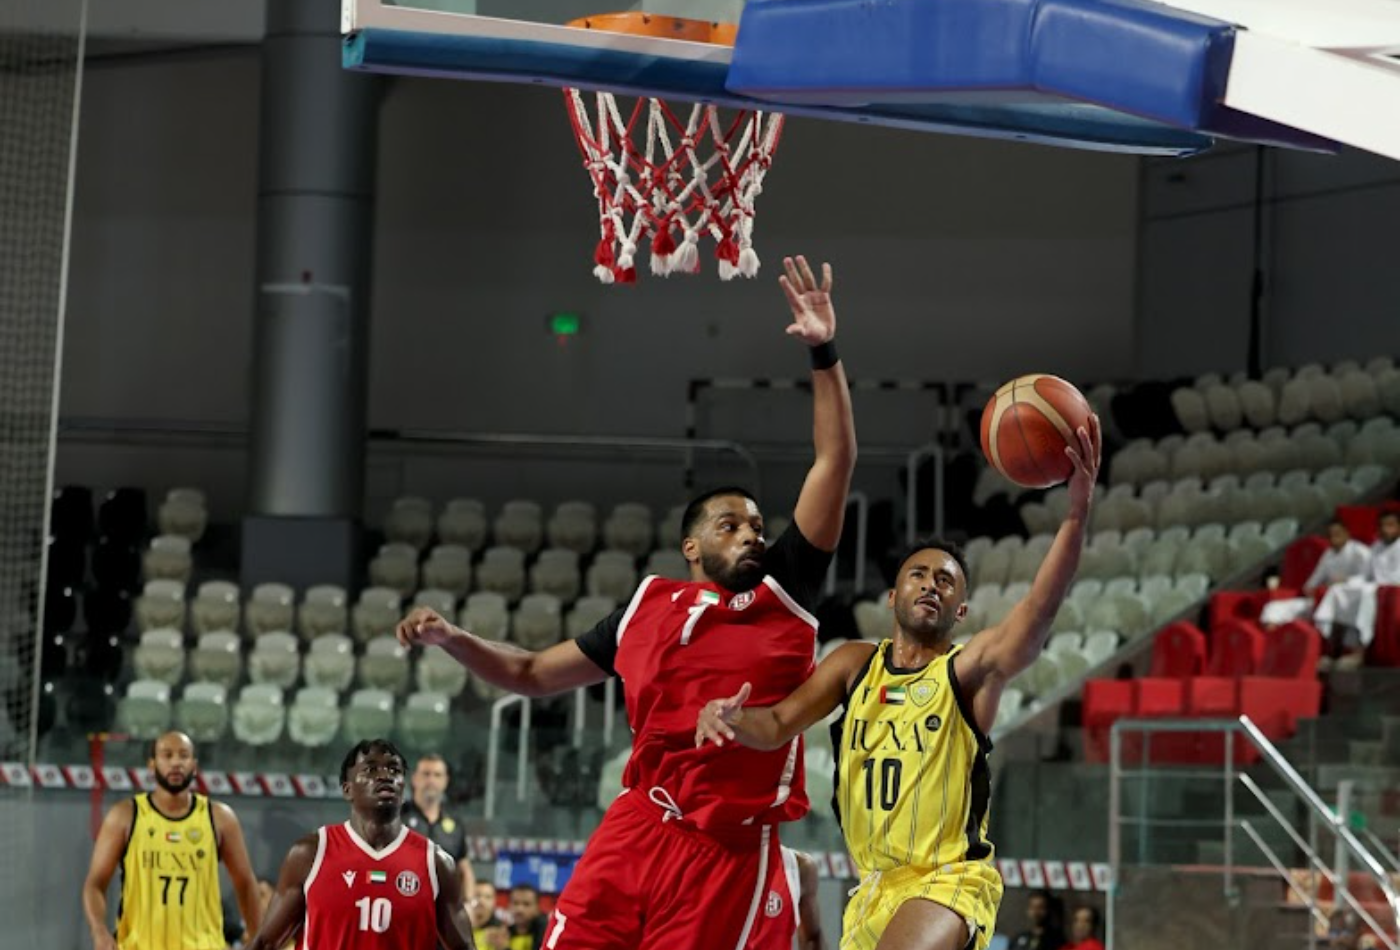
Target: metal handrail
[
  {"x": 1281, "y": 767},
  {"x": 493, "y": 751},
  {"x": 861, "y": 501},
  {"x": 911, "y": 490},
  {"x": 609, "y": 713}
]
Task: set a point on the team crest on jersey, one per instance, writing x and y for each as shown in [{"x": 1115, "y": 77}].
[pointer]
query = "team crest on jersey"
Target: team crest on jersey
[
  {"x": 932, "y": 724},
  {"x": 774, "y": 905},
  {"x": 921, "y": 692},
  {"x": 740, "y": 601},
  {"x": 194, "y": 834},
  {"x": 407, "y": 883}
]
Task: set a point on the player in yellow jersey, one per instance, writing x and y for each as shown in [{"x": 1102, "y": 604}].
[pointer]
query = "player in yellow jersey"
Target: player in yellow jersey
[
  {"x": 913, "y": 785},
  {"x": 168, "y": 844}
]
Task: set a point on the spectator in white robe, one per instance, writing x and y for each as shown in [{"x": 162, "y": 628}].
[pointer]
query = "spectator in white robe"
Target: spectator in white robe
[
  {"x": 1346, "y": 614},
  {"x": 1345, "y": 559}
]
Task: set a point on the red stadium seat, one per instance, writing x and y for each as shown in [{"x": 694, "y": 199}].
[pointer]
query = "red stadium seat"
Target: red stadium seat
[
  {"x": 1178, "y": 652},
  {"x": 1237, "y": 648},
  {"x": 1285, "y": 687},
  {"x": 1299, "y": 559},
  {"x": 1385, "y": 648},
  {"x": 1104, "y": 703},
  {"x": 1361, "y": 519}
]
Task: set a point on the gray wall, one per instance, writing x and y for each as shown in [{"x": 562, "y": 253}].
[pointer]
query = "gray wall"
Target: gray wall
[
  {"x": 955, "y": 259},
  {"x": 1329, "y": 246}
]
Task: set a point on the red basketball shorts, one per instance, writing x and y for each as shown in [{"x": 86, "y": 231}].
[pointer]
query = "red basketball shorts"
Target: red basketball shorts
[{"x": 647, "y": 881}]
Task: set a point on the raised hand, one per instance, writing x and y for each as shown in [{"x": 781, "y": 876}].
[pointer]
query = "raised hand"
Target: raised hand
[
  {"x": 424, "y": 627},
  {"x": 813, "y": 316},
  {"x": 718, "y": 715},
  {"x": 1086, "y": 461}
]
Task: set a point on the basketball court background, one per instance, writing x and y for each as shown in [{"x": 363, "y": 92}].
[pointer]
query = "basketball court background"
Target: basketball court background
[{"x": 1104, "y": 265}]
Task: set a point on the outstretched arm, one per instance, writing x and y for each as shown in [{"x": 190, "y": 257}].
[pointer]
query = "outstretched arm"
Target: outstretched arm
[
  {"x": 771, "y": 727},
  {"x": 288, "y": 907},
  {"x": 453, "y": 924},
  {"x": 558, "y": 669},
  {"x": 999, "y": 653},
  {"x": 821, "y": 505}
]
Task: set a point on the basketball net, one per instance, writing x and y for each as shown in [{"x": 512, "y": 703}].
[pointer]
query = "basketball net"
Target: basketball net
[{"x": 684, "y": 181}]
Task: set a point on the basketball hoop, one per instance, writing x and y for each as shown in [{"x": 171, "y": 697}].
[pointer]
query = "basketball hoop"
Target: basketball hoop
[{"x": 668, "y": 178}]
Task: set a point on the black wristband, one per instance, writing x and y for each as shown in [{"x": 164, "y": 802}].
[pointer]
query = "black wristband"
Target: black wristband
[{"x": 825, "y": 356}]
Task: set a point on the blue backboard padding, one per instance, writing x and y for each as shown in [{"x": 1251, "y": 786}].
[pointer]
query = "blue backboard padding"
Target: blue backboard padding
[
  {"x": 1130, "y": 56},
  {"x": 1021, "y": 115}
]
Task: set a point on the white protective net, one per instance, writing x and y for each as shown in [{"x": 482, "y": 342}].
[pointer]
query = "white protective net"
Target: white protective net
[
  {"x": 671, "y": 182},
  {"x": 40, "y": 64}
]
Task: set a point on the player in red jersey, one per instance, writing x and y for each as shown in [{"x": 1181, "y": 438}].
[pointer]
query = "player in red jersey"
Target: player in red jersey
[
  {"x": 687, "y": 858},
  {"x": 370, "y": 883}
]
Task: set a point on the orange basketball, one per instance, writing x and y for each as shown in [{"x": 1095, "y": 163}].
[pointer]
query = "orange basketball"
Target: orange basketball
[{"x": 1027, "y": 425}]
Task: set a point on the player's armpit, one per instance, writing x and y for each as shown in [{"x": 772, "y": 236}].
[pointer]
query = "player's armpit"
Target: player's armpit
[{"x": 288, "y": 908}]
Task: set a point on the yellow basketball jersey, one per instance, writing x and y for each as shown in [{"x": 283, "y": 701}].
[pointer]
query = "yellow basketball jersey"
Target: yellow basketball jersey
[
  {"x": 912, "y": 782},
  {"x": 170, "y": 881}
]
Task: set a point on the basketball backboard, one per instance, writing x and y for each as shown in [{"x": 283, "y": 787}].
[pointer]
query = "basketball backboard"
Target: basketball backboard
[{"x": 1118, "y": 75}]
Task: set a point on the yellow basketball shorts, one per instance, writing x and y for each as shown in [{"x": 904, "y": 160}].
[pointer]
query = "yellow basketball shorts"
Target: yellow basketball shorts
[{"x": 970, "y": 889}]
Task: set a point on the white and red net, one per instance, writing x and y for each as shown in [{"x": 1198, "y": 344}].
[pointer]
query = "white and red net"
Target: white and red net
[{"x": 669, "y": 183}]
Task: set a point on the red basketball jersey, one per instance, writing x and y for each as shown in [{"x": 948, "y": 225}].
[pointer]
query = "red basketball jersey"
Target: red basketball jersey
[
  {"x": 681, "y": 644},
  {"x": 371, "y": 900}
]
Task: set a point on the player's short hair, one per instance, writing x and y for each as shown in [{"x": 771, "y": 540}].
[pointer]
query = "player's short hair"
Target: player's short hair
[
  {"x": 695, "y": 511},
  {"x": 365, "y": 747},
  {"x": 1386, "y": 514},
  {"x": 526, "y": 887},
  {"x": 950, "y": 548},
  {"x": 1095, "y": 920}
]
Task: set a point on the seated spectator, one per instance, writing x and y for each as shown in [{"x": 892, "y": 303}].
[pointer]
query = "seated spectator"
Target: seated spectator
[
  {"x": 1345, "y": 931},
  {"x": 1346, "y": 614},
  {"x": 1043, "y": 927},
  {"x": 1084, "y": 929},
  {"x": 527, "y": 924},
  {"x": 488, "y": 930},
  {"x": 1343, "y": 560}
]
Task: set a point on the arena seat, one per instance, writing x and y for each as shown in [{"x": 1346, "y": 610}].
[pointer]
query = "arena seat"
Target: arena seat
[
  {"x": 314, "y": 718},
  {"x": 322, "y": 612},
  {"x": 160, "y": 656},
  {"x": 275, "y": 660},
  {"x": 463, "y": 522},
  {"x": 409, "y": 521},
  {"x": 216, "y": 659},
  {"x": 259, "y": 715},
  {"x": 215, "y": 607},
  {"x": 384, "y": 665},
  {"x": 330, "y": 662},
  {"x": 449, "y": 567},
  {"x": 202, "y": 711},
  {"x": 269, "y": 607}
]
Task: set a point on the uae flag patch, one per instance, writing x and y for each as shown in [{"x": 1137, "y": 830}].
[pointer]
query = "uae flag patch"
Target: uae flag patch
[
  {"x": 707, "y": 597},
  {"x": 892, "y": 695},
  {"x": 378, "y": 877}
]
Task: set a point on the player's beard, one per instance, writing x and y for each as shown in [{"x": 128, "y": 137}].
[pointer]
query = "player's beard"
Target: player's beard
[
  {"x": 731, "y": 576},
  {"x": 170, "y": 786},
  {"x": 941, "y": 628}
]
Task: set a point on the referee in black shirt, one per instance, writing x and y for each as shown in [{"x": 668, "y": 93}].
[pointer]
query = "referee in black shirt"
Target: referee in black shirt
[{"x": 425, "y": 815}]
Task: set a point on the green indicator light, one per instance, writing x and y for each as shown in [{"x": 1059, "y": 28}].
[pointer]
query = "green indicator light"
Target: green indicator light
[{"x": 565, "y": 324}]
